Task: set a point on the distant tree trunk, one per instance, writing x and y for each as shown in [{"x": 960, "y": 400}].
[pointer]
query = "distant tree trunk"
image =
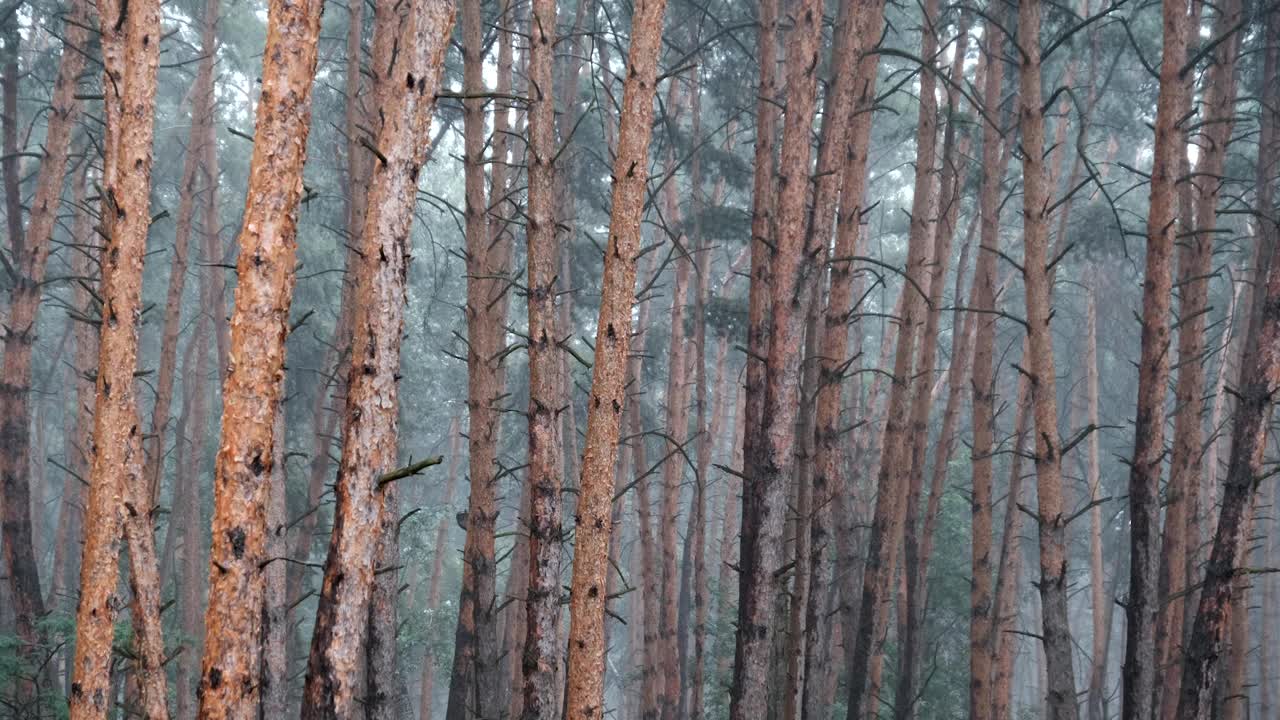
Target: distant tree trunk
[
  {"x": 837, "y": 206},
  {"x": 425, "y": 696},
  {"x": 1195, "y": 267},
  {"x": 677, "y": 429},
  {"x": 475, "y": 673},
  {"x": 1005, "y": 614},
  {"x": 30, "y": 254},
  {"x": 584, "y": 698},
  {"x": 915, "y": 562},
  {"x": 891, "y": 499},
  {"x": 1097, "y": 576},
  {"x": 253, "y": 390},
  {"x": 191, "y": 581},
  {"x": 1259, "y": 378},
  {"x": 370, "y": 430},
  {"x": 542, "y": 645},
  {"x": 275, "y": 669},
  {"x": 116, "y": 504},
  {"x": 1153, "y": 373},
  {"x": 770, "y": 466},
  {"x": 1051, "y": 514},
  {"x": 202, "y": 113}
]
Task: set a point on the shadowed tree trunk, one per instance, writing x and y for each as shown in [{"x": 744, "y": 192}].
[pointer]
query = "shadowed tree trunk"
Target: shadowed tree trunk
[
  {"x": 891, "y": 498},
  {"x": 1100, "y": 607},
  {"x": 370, "y": 430},
  {"x": 1153, "y": 373},
  {"x": 30, "y": 255},
  {"x": 1195, "y": 267},
  {"x": 584, "y": 697},
  {"x": 131, "y": 42},
  {"x": 1259, "y": 379},
  {"x": 771, "y": 465},
  {"x": 981, "y": 601},
  {"x": 253, "y": 390}
]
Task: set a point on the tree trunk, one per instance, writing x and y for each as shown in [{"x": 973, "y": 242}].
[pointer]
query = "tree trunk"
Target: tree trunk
[
  {"x": 1005, "y": 615},
  {"x": 770, "y": 464},
  {"x": 85, "y": 316},
  {"x": 1153, "y": 373},
  {"x": 892, "y": 482},
  {"x": 425, "y": 693},
  {"x": 30, "y": 255},
  {"x": 1036, "y": 276},
  {"x": 1195, "y": 267},
  {"x": 584, "y": 698},
  {"x": 253, "y": 391},
  {"x": 275, "y": 669},
  {"x": 1093, "y": 477},
  {"x": 585, "y": 675},
  {"x": 1256, "y": 388},
  {"x": 542, "y": 645},
  {"x": 370, "y": 430},
  {"x": 474, "y": 674},
  {"x": 117, "y": 485}
]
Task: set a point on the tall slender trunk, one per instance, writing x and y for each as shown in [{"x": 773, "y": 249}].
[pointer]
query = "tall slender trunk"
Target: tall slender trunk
[
  {"x": 1153, "y": 373},
  {"x": 253, "y": 390},
  {"x": 915, "y": 563},
  {"x": 1005, "y": 613},
  {"x": 892, "y": 482},
  {"x": 30, "y": 254},
  {"x": 201, "y": 115},
  {"x": 749, "y": 650},
  {"x": 584, "y": 696},
  {"x": 130, "y": 38},
  {"x": 542, "y": 646},
  {"x": 677, "y": 429},
  {"x": 1036, "y": 276},
  {"x": 981, "y": 601},
  {"x": 86, "y": 318},
  {"x": 425, "y": 693},
  {"x": 1259, "y": 378},
  {"x": 1195, "y": 266},
  {"x": 475, "y": 670},
  {"x": 1093, "y": 477},
  {"x": 770, "y": 466},
  {"x": 370, "y": 429}
]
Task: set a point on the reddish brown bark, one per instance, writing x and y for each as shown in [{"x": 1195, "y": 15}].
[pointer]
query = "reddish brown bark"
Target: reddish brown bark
[
  {"x": 130, "y": 40},
  {"x": 1061, "y": 703},
  {"x": 370, "y": 428},
  {"x": 1153, "y": 373},
  {"x": 1259, "y": 378},
  {"x": 542, "y": 646},
  {"x": 584, "y": 696},
  {"x": 1195, "y": 266},
  {"x": 230, "y": 682},
  {"x": 30, "y": 254},
  {"x": 892, "y": 482},
  {"x": 770, "y": 465},
  {"x": 475, "y": 670}
]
